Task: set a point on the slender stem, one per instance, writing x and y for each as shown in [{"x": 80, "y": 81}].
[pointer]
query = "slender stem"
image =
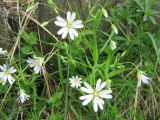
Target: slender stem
[
  {"x": 47, "y": 82},
  {"x": 66, "y": 99},
  {"x": 50, "y": 55},
  {"x": 136, "y": 99},
  {"x": 1, "y": 105},
  {"x": 60, "y": 68},
  {"x": 110, "y": 37}
]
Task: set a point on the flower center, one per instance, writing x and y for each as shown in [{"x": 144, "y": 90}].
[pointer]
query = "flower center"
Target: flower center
[
  {"x": 69, "y": 25},
  {"x": 76, "y": 81},
  {"x": 38, "y": 63},
  {"x": 95, "y": 94},
  {"x": 7, "y": 72}
]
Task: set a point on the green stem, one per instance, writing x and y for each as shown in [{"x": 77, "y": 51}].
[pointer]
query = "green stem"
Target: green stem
[
  {"x": 66, "y": 99},
  {"x": 1, "y": 105},
  {"x": 111, "y": 35}
]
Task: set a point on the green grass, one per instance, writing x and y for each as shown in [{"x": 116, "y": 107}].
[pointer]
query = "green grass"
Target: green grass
[{"x": 89, "y": 56}]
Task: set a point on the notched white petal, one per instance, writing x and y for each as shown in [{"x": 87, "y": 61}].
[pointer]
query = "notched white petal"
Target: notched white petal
[
  {"x": 86, "y": 90},
  {"x": 60, "y": 24},
  {"x": 88, "y": 86},
  {"x": 60, "y": 19}
]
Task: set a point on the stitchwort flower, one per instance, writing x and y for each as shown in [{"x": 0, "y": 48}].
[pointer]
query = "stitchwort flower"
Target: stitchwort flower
[
  {"x": 114, "y": 29},
  {"x": 105, "y": 13},
  {"x": 37, "y": 63},
  {"x": 113, "y": 45},
  {"x": 3, "y": 52},
  {"x": 5, "y": 75},
  {"x": 75, "y": 81},
  {"x": 142, "y": 78},
  {"x": 95, "y": 95},
  {"x": 22, "y": 96},
  {"x": 69, "y": 25}
]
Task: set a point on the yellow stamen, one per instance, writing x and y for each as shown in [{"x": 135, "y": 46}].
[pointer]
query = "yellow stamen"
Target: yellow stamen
[
  {"x": 37, "y": 63},
  {"x": 95, "y": 94},
  {"x": 69, "y": 25}
]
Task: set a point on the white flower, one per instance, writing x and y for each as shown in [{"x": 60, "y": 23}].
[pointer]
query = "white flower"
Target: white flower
[
  {"x": 37, "y": 63},
  {"x": 6, "y": 74},
  {"x": 113, "y": 45},
  {"x": 75, "y": 81},
  {"x": 2, "y": 52},
  {"x": 95, "y": 95},
  {"x": 22, "y": 96},
  {"x": 142, "y": 78},
  {"x": 69, "y": 25},
  {"x": 114, "y": 29},
  {"x": 105, "y": 13}
]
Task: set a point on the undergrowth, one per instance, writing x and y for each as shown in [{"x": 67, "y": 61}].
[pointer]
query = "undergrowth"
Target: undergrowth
[{"x": 115, "y": 43}]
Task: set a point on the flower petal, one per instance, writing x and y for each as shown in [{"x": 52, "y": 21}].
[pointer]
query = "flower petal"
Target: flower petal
[
  {"x": 145, "y": 80},
  {"x": 88, "y": 86},
  {"x": 100, "y": 104},
  {"x": 61, "y": 31},
  {"x": 108, "y": 96},
  {"x": 73, "y": 16},
  {"x": 61, "y": 24},
  {"x": 1, "y": 67},
  {"x": 98, "y": 84},
  {"x": 37, "y": 69},
  {"x": 99, "y": 88},
  {"x": 73, "y": 85},
  {"x": 12, "y": 70},
  {"x": 77, "y": 24},
  {"x": 95, "y": 106},
  {"x": 11, "y": 79},
  {"x": 65, "y": 33},
  {"x": 60, "y": 19},
  {"x": 68, "y": 16},
  {"x": 105, "y": 94},
  {"x": 75, "y": 33},
  {"x": 86, "y": 90},
  {"x": 86, "y": 98},
  {"x": 71, "y": 34}
]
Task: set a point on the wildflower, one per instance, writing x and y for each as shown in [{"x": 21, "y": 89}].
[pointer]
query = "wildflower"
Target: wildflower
[
  {"x": 95, "y": 95},
  {"x": 69, "y": 25},
  {"x": 75, "y": 81},
  {"x": 142, "y": 78},
  {"x": 22, "y": 96},
  {"x": 113, "y": 45},
  {"x": 37, "y": 63},
  {"x": 2, "y": 52},
  {"x": 6, "y": 74},
  {"x": 105, "y": 13},
  {"x": 114, "y": 29}
]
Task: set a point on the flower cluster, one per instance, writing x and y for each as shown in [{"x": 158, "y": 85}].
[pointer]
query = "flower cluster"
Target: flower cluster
[
  {"x": 96, "y": 95},
  {"x": 7, "y": 74}
]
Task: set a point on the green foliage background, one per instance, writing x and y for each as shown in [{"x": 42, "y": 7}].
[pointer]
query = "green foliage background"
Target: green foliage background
[{"x": 91, "y": 57}]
